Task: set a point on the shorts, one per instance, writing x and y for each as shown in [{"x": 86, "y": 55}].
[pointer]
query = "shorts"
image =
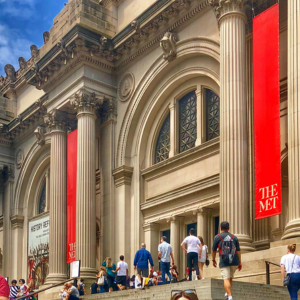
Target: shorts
[
  {"x": 228, "y": 272},
  {"x": 203, "y": 260},
  {"x": 110, "y": 281},
  {"x": 121, "y": 280},
  {"x": 143, "y": 272}
]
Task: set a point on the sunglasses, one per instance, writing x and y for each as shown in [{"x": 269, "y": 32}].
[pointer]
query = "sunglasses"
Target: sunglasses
[{"x": 186, "y": 291}]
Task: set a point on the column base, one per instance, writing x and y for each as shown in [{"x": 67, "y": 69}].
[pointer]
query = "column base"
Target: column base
[
  {"x": 246, "y": 243},
  {"x": 292, "y": 230},
  {"x": 55, "y": 278},
  {"x": 88, "y": 273}
]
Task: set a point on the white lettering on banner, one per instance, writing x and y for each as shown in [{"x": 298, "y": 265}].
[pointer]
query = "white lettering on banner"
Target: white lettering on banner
[
  {"x": 72, "y": 250},
  {"x": 269, "y": 196}
]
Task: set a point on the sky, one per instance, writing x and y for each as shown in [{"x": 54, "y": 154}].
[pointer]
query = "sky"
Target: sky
[{"x": 22, "y": 23}]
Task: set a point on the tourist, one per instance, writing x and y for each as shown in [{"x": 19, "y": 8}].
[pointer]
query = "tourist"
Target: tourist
[
  {"x": 174, "y": 274},
  {"x": 24, "y": 289},
  {"x": 122, "y": 269},
  {"x": 81, "y": 288},
  {"x": 132, "y": 282},
  {"x": 94, "y": 288},
  {"x": 110, "y": 275},
  {"x": 291, "y": 263},
  {"x": 184, "y": 295},
  {"x": 102, "y": 280},
  {"x": 73, "y": 291},
  {"x": 64, "y": 292},
  {"x": 141, "y": 262},
  {"x": 203, "y": 258},
  {"x": 230, "y": 256},
  {"x": 164, "y": 255},
  {"x": 4, "y": 289},
  {"x": 194, "y": 250},
  {"x": 14, "y": 289}
]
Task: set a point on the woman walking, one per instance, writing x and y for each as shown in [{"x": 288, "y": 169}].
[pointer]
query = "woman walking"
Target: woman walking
[
  {"x": 111, "y": 276},
  {"x": 203, "y": 258},
  {"x": 194, "y": 250},
  {"x": 102, "y": 280},
  {"x": 291, "y": 263}
]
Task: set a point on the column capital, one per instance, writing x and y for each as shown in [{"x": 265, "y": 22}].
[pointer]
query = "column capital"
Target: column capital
[
  {"x": 151, "y": 227},
  {"x": 17, "y": 221},
  {"x": 202, "y": 211},
  {"x": 85, "y": 102},
  {"x": 225, "y": 8},
  {"x": 56, "y": 121}
]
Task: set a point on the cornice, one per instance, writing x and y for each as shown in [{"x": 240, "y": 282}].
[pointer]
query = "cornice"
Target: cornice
[
  {"x": 107, "y": 3},
  {"x": 83, "y": 46},
  {"x": 17, "y": 221}
]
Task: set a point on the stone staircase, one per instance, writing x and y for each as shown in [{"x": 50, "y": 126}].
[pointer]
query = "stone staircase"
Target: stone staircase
[{"x": 208, "y": 289}]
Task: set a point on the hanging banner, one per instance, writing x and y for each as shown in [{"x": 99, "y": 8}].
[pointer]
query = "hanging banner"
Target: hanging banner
[
  {"x": 267, "y": 113},
  {"x": 38, "y": 251},
  {"x": 71, "y": 195}
]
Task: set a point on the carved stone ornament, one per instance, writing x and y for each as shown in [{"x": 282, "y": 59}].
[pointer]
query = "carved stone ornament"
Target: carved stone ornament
[
  {"x": 126, "y": 87},
  {"x": 22, "y": 63},
  {"x": 34, "y": 52},
  {"x": 40, "y": 135},
  {"x": 168, "y": 45},
  {"x": 10, "y": 73},
  {"x": 19, "y": 158},
  {"x": 46, "y": 36}
]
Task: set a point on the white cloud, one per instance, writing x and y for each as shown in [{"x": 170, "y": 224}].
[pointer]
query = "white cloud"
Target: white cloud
[
  {"x": 12, "y": 46},
  {"x": 24, "y": 9}
]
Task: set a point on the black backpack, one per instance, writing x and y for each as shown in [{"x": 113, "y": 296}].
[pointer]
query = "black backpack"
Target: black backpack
[
  {"x": 81, "y": 292},
  {"x": 227, "y": 250}
]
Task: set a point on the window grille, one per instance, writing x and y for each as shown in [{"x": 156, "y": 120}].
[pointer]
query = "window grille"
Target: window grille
[
  {"x": 212, "y": 115},
  {"x": 42, "y": 201},
  {"x": 163, "y": 141}
]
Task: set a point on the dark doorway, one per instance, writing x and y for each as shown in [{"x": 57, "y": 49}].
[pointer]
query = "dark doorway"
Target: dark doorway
[
  {"x": 217, "y": 224},
  {"x": 190, "y": 226},
  {"x": 167, "y": 233}
]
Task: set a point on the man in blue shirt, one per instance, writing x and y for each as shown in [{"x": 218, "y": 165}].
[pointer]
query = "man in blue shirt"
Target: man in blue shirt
[
  {"x": 165, "y": 254},
  {"x": 141, "y": 262}
]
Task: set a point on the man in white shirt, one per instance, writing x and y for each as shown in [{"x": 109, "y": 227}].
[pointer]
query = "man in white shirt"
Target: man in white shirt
[
  {"x": 193, "y": 250},
  {"x": 122, "y": 269}
]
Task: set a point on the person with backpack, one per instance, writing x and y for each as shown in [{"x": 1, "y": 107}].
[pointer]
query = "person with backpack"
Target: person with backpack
[
  {"x": 291, "y": 263},
  {"x": 81, "y": 288},
  {"x": 230, "y": 256}
]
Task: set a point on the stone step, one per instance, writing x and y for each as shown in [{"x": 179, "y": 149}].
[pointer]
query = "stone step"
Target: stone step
[{"x": 208, "y": 289}]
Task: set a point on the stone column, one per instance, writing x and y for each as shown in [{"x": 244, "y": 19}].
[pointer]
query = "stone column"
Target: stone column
[
  {"x": 234, "y": 186},
  {"x": 293, "y": 227},
  {"x": 58, "y": 197},
  {"x": 175, "y": 238},
  {"x": 202, "y": 224},
  {"x": 85, "y": 104},
  {"x": 152, "y": 240}
]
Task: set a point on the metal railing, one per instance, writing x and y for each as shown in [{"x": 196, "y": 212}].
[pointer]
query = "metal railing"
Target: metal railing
[
  {"x": 268, "y": 263},
  {"x": 47, "y": 288}
]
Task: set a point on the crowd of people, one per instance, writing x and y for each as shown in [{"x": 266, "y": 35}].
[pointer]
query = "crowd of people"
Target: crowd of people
[{"x": 112, "y": 277}]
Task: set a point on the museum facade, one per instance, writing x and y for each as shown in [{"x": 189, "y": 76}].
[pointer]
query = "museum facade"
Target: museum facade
[{"x": 161, "y": 95}]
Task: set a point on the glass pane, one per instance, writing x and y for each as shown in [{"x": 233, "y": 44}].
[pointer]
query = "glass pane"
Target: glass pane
[
  {"x": 212, "y": 115},
  {"x": 163, "y": 142},
  {"x": 187, "y": 121},
  {"x": 42, "y": 202}
]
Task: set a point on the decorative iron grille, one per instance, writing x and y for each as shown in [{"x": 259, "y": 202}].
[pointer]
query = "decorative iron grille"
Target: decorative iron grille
[
  {"x": 187, "y": 121},
  {"x": 212, "y": 115},
  {"x": 42, "y": 201},
  {"x": 163, "y": 142}
]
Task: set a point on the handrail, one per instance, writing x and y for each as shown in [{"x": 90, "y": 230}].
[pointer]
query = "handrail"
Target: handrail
[
  {"x": 48, "y": 288},
  {"x": 268, "y": 263}
]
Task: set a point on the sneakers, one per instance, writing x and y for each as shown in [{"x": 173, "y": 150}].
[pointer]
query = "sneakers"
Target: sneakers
[{"x": 226, "y": 296}]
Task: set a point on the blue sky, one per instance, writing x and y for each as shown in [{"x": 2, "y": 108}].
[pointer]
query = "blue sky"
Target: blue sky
[{"x": 22, "y": 23}]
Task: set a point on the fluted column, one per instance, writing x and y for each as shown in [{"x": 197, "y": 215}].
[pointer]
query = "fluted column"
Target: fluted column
[
  {"x": 152, "y": 240},
  {"x": 58, "y": 197},
  {"x": 175, "y": 238},
  {"x": 293, "y": 227},
  {"x": 203, "y": 224},
  {"x": 172, "y": 129},
  {"x": 85, "y": 104},
  {"x": 234, "y": 186}
]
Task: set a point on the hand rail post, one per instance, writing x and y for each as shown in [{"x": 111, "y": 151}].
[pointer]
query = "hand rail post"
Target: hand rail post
[{"x": 267, "y": 273}]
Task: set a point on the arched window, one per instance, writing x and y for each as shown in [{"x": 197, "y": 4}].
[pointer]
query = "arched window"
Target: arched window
[
  {"x": 42, "y": 201},
  {"x": 187, "y": 121},
  {"x": 162, "y": 148},
  {"x": 212, "y": 114}
]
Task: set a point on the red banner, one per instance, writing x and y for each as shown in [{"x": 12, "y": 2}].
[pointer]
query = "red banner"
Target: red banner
[
  {"x": 71, "y": 195},
  {"x": 267, "y": 113}
]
